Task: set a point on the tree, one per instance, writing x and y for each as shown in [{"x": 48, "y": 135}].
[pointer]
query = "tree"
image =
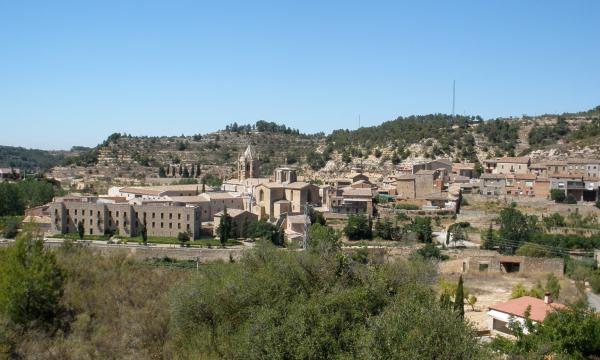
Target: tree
[
  {"x": 533, "y": 250},
  {"x": 458, "y": 235},
  {"x": 598, "y": 203},
  {"x": 558, "y": 195},
  {"x": 183, "y": 238},
  {"x": 459, "y": 305},
  {"x": 186, "y": 172},
  {"x": 431, "y": 251},
  {"x": 358, "y": 228},
  {"x": 193, "y": 172},
  {"x": 488, "y": 239},
  {"x": 421, "y": 226},
  {"x": 31, "y": 283},
  {"x": 472, "y": 300},
  {"x": 144, "y": 232},
  {"x": 552, "y": 285},
  {"x": 515, "y": 229},
  {"x": 11, "y": 201},
  {"x": 323, "y": 239},
  {"x": 161, "y": 172},
  {"x": 224, "y": 229},
  {"x": 198, "y": 172},
  {"x": 180, "y": 170},
  {"x": 80, "y": 230},
  {"x": 571, "y": 199},
  {"x": 11, "y": 228}
]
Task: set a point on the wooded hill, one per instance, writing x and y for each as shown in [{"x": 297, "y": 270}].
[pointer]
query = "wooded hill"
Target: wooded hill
[{"x": 461, "y": 138}]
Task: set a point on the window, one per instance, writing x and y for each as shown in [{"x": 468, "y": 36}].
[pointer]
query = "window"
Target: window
[
  {"x": 179, "y": 225},
  {"x": 187, "y": 217},
  {"x": 178, "y": 216},
  {"x": 170, "y": 225},
  {"x": 75, "y": 211},
  {"x": 170, "y": 216},
  {"x": 162, "y": 216},
  {"x": 153, "y": 224},
  {"x": 117, "y": 223},
  {"x": 161, "y": 225},
  {"x": 91, "y": 212},
  {"x": 117, "y": 214}
]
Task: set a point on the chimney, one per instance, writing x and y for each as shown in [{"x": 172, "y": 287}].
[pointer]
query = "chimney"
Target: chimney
[{"x": 548, "y": 298}]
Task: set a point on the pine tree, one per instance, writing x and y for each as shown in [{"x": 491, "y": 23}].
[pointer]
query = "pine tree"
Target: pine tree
[
  {"x": 459, "y": 305},
  {"x": 80, "y": 230},
  {"x": 161, "y": 172},
  {"x": 198, "y": 170},
  {"x": 180, "y": 170},
  {"x": 186, "y": 173},
  {"x": 193, "y": 172}
]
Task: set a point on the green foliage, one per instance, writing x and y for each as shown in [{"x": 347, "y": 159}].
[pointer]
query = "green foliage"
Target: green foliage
[
  {"x": 554, "y": 220},
  {"x": 572, "y": 333},
  {"x": 570, "y": 199},
  {"x": 31, "y": 192},
  {"x": 358, "y": 228},
  {"x": 431, "y": 251},
  {"x": 264, "y": 230},
  {"x": 488, "y": 239},
  {"x": 598, "y": 203},
  {"x": 587, "y": 130},
  {"x": 421, "y": 226},
  {"x": 316, "y": 161},
  {"x": 503, "y": 133},
  {"x": 515, "y": 229},
  {"x": 80, "y": 230},
  {"x": 31, "y": 284},
  {"x": 558, "y": 195},
  {"x": 29, "y": 160},
  {"x": 385, "y": 229},
  {"x": 299, "y": 305},
  {"x": 323, "y": 239},
  {"x": 459, "y": 304},
  {"x": 316, "y": 217},
  {"x": 184, "y": 238},
  {"x": 212, "y": 180},
  {"x": 225, "y": 227},
  {"x": 552, "y": 286},
  {"x": 548, "y": 134},
  {"x": 404, "y": 206},
  {"x": 533, "y": 250},
  {"x": 9, "y": 225}
]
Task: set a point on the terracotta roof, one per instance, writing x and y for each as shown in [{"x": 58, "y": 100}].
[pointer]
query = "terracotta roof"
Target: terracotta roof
[
  {"x": 463, "y": 166},
  {"x": 231, "y": 212},
  {"x": 514, "y": 160},
  {"x": 565, "y": 175},
  {"x": 525, "y": 176},
  {"x": 517, "y": 307},
  {"x": 555, "y": 163},
  {"x": 357, "y": 192},
  {"x": 492, "y": 176},
  {"x": 583, "y": 161}
]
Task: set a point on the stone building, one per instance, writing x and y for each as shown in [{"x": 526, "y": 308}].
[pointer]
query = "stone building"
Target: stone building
[
  {"x": 275, "y": 198},
  {"x": 240, "y": 220},
  {"x": 512, "y": 165},
  {"x": 248, "y": 164},
  {"x": 100, "y": 217}
]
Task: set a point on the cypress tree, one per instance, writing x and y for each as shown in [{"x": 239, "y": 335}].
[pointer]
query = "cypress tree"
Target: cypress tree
[{"x": 459, "y": 304}]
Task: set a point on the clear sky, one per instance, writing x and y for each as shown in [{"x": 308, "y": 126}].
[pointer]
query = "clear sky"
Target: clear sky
[{"x": 73, "y": 72}]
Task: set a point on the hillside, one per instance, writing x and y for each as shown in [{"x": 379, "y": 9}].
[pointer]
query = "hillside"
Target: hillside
[
  {"x": 34, "y": 160},
  {"x": 126, "y": 159}
]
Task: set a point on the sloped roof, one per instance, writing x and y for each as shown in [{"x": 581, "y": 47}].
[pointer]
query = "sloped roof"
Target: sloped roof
[
  {"x": 514, "y": 160},
  {"x": 517, "y": 307}
]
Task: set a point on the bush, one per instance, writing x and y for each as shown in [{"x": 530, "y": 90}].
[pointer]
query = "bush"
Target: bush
[
  {"x": 557, "y": 195},
  {"x": 570, "y": 199},
  {"x": 300, "y": 305},
  {"x": 10, "y": 227},
  {"x": 31, "y": 284},
  {"x": 431, "y": 251},
  {"x": 407, "y": 206},
  {"x": 358, "y": 228}
]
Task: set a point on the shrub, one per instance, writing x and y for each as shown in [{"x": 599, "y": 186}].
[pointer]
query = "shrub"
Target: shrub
[
  {"x": 557, "y": 195},
  {"x": 358, "y": 228},
  {"x": 570, "y": 199}
]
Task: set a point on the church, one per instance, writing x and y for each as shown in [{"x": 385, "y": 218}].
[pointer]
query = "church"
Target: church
[{"x": 271, "y": 198}]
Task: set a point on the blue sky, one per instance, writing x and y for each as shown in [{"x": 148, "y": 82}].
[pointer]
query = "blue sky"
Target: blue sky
[{"x": 73, "y": 72}]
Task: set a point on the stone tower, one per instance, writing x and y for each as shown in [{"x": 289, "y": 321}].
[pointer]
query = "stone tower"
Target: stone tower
[{"x": 248, "y": 164}]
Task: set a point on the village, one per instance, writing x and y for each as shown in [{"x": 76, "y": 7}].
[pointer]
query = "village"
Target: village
[{"x": 448, "y": 193}]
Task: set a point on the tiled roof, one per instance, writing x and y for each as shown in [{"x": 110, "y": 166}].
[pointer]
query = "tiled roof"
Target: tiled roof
[
  {"x": 514, "y": 160},
  {"x": 517, "y": 307}
]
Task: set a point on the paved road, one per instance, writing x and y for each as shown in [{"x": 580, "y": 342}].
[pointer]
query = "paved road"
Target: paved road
[{"x": 594, "y": 301}]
